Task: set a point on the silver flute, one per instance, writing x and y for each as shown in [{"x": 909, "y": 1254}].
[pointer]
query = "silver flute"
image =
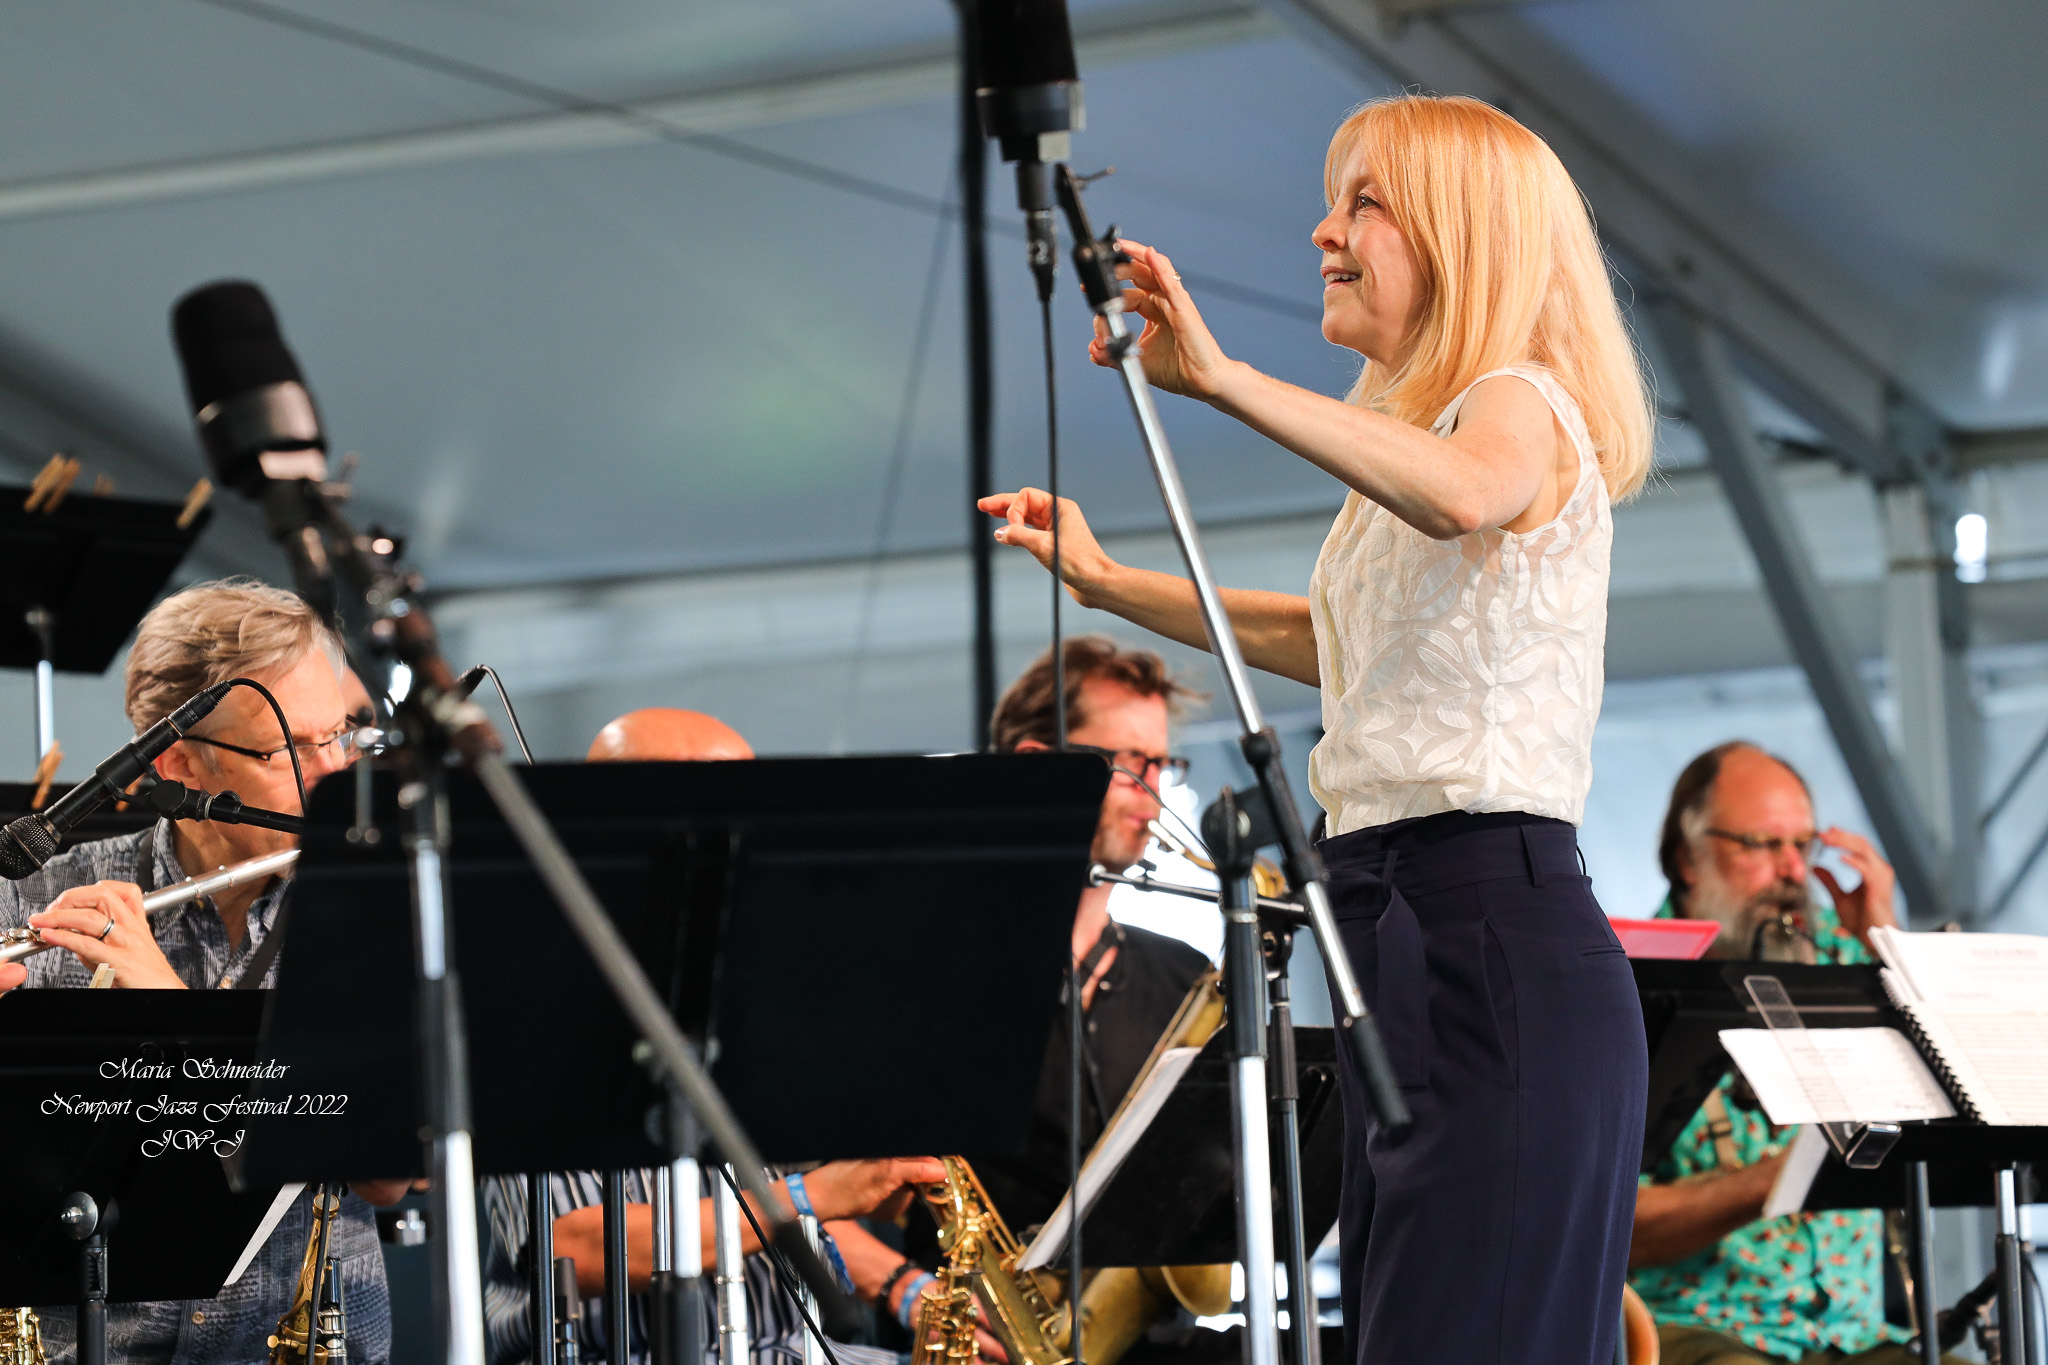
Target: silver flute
[{"x": 16, "y": 944}]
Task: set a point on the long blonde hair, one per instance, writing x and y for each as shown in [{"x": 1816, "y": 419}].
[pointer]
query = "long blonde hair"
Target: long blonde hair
[{"x": 1512, "y": 271}]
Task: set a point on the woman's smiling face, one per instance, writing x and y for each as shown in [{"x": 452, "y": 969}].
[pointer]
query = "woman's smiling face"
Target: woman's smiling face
[{"x": 1372, "y": 284}]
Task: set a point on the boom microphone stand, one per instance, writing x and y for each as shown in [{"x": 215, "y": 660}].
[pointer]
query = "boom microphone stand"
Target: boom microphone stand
[{"x": 1244, "y": 966}]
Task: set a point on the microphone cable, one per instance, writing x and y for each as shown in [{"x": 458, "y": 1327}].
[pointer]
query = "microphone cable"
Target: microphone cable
[{"x": 285, "y": 728}]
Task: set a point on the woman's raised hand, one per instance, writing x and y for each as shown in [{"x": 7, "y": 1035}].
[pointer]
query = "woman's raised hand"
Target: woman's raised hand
[
  {"x": 1027, "y": 522},
  {"x": 1178, "y": 352}
]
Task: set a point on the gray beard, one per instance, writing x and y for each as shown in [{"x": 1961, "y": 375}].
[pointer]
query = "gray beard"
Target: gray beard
[{"x": 1740, "y": 920}]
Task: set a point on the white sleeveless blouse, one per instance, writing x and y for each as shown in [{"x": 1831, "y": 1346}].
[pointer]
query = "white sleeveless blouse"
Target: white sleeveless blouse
[{"x": 1463, "y": 674}]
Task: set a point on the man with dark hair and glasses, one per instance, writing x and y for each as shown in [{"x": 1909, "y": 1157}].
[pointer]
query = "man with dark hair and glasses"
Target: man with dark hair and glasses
[
  {"x": 1119, "y": 707},
  {"x": 1726, "y": 1286}
]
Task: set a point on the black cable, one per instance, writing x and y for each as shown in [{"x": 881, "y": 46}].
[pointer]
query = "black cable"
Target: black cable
[
  {"x": 518, "y": 730},
  {"x": 570, "y": 102},
  {"x": 1052, "y": 482},
  {"x": 980, "y": 348},
  {"x": 298, "y": 773},
  {"x": 1076, "y": 1021},
  {"x": 785, "y": 1277}
]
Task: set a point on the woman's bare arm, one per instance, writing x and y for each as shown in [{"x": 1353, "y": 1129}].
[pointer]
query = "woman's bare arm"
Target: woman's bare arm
[
  {"x": 1504, "y": 466},
  {"x": 1273, "y": 628}
]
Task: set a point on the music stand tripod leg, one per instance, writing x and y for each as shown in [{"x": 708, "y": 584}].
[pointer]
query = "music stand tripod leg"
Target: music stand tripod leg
[
  {"x": 1244, "y": 990},
  {"x": 1278, "y": 939},
  {"x": 458, "y": 1274},
  {"x": 540, "y": 1250},
  {"x": 1921, "y": 1251},
  {"x": 2012, "y": 1302},
  {"x": 617, "y": 1324}
]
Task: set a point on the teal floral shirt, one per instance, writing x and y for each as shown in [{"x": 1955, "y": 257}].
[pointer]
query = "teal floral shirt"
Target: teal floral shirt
[{"x": 1788, "y": 1286}]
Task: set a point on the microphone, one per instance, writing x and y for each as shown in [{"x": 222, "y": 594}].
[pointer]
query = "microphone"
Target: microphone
[
  {"x": 26, "y": 844},
  {"x": 1029, "y": 91},
  {"x": 176, "y": 801},
  {"x": 256, "y": 420},
  {"x": 469, "y": 682}
]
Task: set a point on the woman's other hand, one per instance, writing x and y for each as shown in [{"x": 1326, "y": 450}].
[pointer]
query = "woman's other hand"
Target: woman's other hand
[
  {"x": 1175, "y": 345},
  {"x": 1027, "y": 517}
]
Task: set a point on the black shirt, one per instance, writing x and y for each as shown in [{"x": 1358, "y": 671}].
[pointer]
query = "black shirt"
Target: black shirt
[{"x": 1132, "y": 1005}]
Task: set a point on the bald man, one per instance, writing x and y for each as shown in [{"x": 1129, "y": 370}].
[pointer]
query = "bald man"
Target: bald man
[
  {"x": 663, "y": 734},
  {"x": 838, "y": 1191}
]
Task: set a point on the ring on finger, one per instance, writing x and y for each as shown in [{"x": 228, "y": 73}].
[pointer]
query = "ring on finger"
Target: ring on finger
[{"x": 108, "y": 930}]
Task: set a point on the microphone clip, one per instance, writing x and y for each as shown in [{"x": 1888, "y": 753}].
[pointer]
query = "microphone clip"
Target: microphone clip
[{"x": 176, "y": 801}]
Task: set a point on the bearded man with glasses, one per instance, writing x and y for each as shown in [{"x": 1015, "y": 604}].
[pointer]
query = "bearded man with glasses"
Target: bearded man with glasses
[
  {"x": 1726, "y": 1286},
  {"x": 88, "y": 902}
]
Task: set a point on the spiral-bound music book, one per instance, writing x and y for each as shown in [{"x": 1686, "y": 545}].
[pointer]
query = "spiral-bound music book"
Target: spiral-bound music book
[{"x": 1978, "y": 1007}]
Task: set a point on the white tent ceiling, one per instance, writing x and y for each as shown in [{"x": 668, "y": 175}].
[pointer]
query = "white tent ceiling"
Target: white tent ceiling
[{"x": 567, "y": 350}]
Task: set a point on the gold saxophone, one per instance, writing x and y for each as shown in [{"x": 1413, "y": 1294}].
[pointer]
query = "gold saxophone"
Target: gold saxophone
[
  {"x": 21, "y": 1337},
  {"x": 981, "y": 1263},
  {"x": 1027, "y": 1310},
  {"x": 310, "y": 1332}
]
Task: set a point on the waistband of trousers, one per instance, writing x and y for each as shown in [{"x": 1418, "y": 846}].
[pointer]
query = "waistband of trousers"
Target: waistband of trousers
[{"x": 1456, "y": 848}]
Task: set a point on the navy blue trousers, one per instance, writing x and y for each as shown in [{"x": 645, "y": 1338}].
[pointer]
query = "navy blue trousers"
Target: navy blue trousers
[{"x": 1496, "y": 1229}]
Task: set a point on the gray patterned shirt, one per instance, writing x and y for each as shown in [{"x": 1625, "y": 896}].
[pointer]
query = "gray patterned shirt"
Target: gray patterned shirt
[{"x": 233, "y": 1327}]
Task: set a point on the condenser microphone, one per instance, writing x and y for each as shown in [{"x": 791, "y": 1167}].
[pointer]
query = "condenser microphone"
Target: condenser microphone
[
  {"x": 257, "y": 421},
  {"x": 26, "y": 844},
  {"x": 1028, "y": 88},
  {"x": 1027, "y": 84}
]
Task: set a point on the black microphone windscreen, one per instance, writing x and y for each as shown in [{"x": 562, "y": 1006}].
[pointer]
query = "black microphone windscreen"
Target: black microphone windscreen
[
  {"x": 229, "y": 343},
  {"x": 25, "y": 845},
  {"x": 1023, "y": 42}
]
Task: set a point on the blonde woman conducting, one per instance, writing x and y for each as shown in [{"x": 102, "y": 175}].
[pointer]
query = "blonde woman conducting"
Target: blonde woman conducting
[{"x": 1455, "y": 625}]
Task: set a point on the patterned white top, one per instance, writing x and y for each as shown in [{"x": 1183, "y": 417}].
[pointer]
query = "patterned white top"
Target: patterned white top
[{"x": 1463, "y": 674}]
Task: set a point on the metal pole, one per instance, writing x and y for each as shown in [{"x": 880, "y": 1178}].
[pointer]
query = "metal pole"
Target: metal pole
[
  {"x": 661, "y": 1289},
  {"x": 43, "y": 624},
  {"x": 686, "y": 1236},
  {"x": 458, "y": 1276},
  {"x": 2012, "y": 1299},
  {"x": 1286, "y": 1100},
  {"x": 1244, "y": 985},
  {"x": 540, "y": 1249},
  {"x": 1260, "y": 746},
  {"x": 1920, "y": 1217},
  {"x": 732, "y": 1275},
  {"x": 617, "y": 1324},
  {"x": 814, "y": 1232},
  {"x": 981, "y": 477}
]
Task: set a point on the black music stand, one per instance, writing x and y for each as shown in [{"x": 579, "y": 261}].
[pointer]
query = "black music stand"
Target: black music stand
[
  {"x": 1687, "y": 1004},
  {"x": 1946, "y": 1163},
  {"x": 177, "y": 1229},
  {"x": 874, "y": 947},
  {"x": 75, "y": 581},
  {"x": 1172, "y": 1201}
]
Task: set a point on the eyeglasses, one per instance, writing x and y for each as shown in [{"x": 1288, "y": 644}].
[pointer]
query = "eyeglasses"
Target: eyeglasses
[
  {"x": 1136, "y": 762},
  {"x": 346, "y": 742},
  {"x": 1771, "y": 845}
]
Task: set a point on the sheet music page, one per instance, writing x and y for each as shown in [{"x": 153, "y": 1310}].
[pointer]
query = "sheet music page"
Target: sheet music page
[
  {"x": 1999, "y": 1060},
  {"x": 1981, "y": 1002},
  {"x": 1109, "y": 1154},
  {"x": 1795, "y": 1178},
  {"x": 2006, "y": 973},
  {"x": 1877, "y": 1070}
]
